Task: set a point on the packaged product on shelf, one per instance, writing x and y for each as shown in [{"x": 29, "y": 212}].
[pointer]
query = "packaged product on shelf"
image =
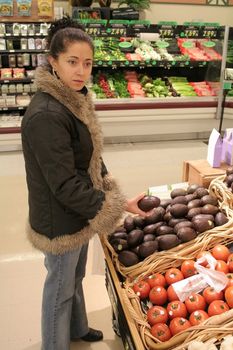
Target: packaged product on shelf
[
  {"x": 9, "y": 44},
  {"x": 19, "y": 88},
  {"x": 31, "y": 44},
  {"x": 12, "y": 61},
  {"x": 2, "y": 44},
  {"x": 4, "y": 89},
  {"x": 20, "y": 60},
  {"x": 30, "y": 73},
  {"x": 38, "y": 43},
  {"x": 6, "y": 73},
  {"x": 41, "y": 59},
  {"x": 33, "y": 88},
  {"x": 34, "y": 60},
  {"x": 12, "y": 88},
  {"x": 2, "y": 29},
  {"x": 44, "y": 28},
  {"x": 44, "y": 44},
  {"x": 16, "y": 29},
  {"x": 31, "y": 29},
  {"x": 0, "y": 61},
  {"x": 24, "y": 29},
  {"x": 10, "y": 100},
  {"x": 23, "y": 100},
  {"x": 26, "y": 59},
  {"x": 18, "y": 73},
  {"x": 6, "y": 8},
  {"x": 45, "y": 8},
  {"x": 24, "y": 7},
  {"x": 2, "y": 101},
  {"x": 23, "y": 44},
  {"x": 26, "y": 88}
]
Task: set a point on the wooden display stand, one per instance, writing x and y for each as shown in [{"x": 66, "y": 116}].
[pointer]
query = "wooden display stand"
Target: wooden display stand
[{"x": 200, "y": 172}]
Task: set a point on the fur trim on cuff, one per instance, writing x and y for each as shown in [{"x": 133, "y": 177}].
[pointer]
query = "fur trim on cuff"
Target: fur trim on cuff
[{"x": 109, "y": 182}]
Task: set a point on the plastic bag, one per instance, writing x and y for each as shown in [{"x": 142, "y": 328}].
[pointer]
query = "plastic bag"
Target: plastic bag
[{"x": 205, "y": 277}]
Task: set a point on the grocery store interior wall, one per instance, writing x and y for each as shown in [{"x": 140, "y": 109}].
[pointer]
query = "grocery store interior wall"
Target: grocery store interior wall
[{"x": 179, "y": 13}]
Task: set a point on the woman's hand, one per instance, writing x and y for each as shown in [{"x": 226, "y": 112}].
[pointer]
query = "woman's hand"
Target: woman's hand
[{"x": 132, "y": 205}]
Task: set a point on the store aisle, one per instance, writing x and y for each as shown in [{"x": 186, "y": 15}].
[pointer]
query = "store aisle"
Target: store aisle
[{"x": 137, "y": 166}]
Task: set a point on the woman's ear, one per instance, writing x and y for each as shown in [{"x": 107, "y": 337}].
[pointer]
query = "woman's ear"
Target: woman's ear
[{"x": 51, "y": 61}]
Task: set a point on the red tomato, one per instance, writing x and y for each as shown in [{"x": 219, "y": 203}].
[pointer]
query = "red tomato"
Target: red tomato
[
  {"x": 198, "y": 317},
  {"x": 222, "y": 266},
  {"x": 158, "y": 295},
  {"x": 171, "y": 294},
  {"x": 157, "y": 314},
  {"x": 179, "y": 324},
  {"x": 202, "y": 254},
  {"x": 176, "y": 309},
  {"x": 187, "y": 268},
  {"x": 230, "y": 279},
  {"x": 173, "y": 275},
  {"x": 230, "y": 262},
  {"x": 156, "y": 279},
  {"x": 217, "y": 307},
  {"x": 210, "y": 295},
  {"x": 161, "y": 331},
  {"x": 220, "y": 252},
  {"x": 229, "y": 296},
  {"x": 142, "y": 289},
  {"x": 195, "y": 302}
]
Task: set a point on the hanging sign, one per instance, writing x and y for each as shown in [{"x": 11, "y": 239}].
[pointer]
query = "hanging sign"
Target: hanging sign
[
  {"x": 24, "y": 7},
  {"x": 6, "y": 8}
]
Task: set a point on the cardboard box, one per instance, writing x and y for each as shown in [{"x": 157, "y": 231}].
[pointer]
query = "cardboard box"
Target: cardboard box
[{"x": 200, "y": 172}]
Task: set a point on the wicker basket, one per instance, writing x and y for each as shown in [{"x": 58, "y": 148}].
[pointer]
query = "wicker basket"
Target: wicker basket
[
  {"x": 214, "y": 327},
  {"x": 218, "y": 189}
]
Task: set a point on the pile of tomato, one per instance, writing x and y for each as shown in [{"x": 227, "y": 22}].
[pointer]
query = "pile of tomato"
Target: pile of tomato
[{"x": 166, "y": 314}]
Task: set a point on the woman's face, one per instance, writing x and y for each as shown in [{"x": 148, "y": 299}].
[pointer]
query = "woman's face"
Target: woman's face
[{"x": 74, "y": 66}]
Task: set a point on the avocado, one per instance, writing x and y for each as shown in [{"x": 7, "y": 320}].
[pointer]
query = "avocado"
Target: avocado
[
  {"x": 192, "y": 188},
  {"x": 119, "y": 244},
  {"x": 220, "y": 219},
  {"x": 150, "y": 229},
  {"x": 229, "y": 170},
  {"x": 193, "y": 212},
  {"x": 165, "y": 202},
  {"x": 195, "y": 203},
  {"x": 168, "y": 241},
  {"x": 178, "y": 192},
  {"x": 208, "y": 199},
  {"x": 148, "y": 237},
  {"x": 179, "y": 210},
  {"x": 148, "y": 248},
  {"x": 209, "y": 209},
  {"x": 186, "y": 234},
  {"x": 139, "y": 221},
  {"x": 168, "y": 216},
  {"x": 129, "y": 223},
  {"x": 179, "y": 200},
  {"x": 173, "y": 221},
  {"x": 122, "y": 235},
  {"x": 203, "y": 216},
  {"x": 190, "y": 197},
  {"x": 202, "y": 225},
  {"x": 148, "y": 202},
  {"x": 156, "y": 216},
  {"x": 185, "y": 223},
  {"x": 128, "y": 258},
  {"x": 164, "y": 230},
  {"x": 229, "y": 180},
  {"x": 120, "y": 228},
  {"x": 200, "y": 192},
  {"x": 135, "y": 237}
]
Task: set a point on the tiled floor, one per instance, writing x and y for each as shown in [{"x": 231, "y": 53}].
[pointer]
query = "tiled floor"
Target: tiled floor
[{"x": 137, "y": 166}]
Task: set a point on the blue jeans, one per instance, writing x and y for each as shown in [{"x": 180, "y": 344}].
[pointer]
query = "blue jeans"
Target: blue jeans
[{"x": 63, "y": 307}]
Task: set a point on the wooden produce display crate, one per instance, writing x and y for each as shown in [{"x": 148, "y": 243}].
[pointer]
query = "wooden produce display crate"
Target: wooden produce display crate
[{"x": 200, "y": 172}]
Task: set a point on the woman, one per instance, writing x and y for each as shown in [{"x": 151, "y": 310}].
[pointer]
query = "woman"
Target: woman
[{"x": 71, "y": 195}]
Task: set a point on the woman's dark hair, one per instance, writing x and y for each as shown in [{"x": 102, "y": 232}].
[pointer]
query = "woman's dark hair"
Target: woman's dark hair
[{"x": 63, "y": 32}]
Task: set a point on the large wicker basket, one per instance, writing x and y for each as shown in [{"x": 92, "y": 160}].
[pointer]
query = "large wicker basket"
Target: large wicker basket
[
  {"x": 215, "y": 327},
  {"x": 219, "y": 189}
]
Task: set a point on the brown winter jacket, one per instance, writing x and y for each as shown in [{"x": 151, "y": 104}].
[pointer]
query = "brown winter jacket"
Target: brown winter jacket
[{"x": 71, "y": 196}]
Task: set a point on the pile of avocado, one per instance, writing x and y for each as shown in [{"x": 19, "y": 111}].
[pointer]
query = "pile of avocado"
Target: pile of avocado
[
  {"x": 229, "y": 178},
  {"x": 173, "y": 221}
]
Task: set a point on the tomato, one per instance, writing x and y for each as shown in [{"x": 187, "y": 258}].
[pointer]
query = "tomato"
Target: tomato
[
  {"x": 202, "y": 254},
  {"x": 222, "y": 266},
  {"x": 173, "y": 275},
  {"x": 230, "y": 280},
  {"x": 157, "y": 314},
  {"x": 156, "y": 279},
  {"x": 217, "y": 307},
  {"x": 198, "y": 317},
  {"x": 187, "y": 268},
  {"x": 229, "y": 296},
  {"x": 161, "y": 331},
  {"x": 230, "y": 262},
  {"x": 142, "y": 289},
  {"x": 210, "y": 295},
  {"x": 171, "y": 294},
  {"x": 179, "y": 324},
  {"x": 220, "y": 252},
  {"x": 158, "y": 295},
  {"x": 176, "y": 309},
  {"x": 195, "y": 302}
]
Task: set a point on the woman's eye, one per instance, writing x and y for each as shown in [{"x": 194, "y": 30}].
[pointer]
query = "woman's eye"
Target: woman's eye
[
  {"x": 72, "y": 62},
  {"x": 88, "y": 64}
]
